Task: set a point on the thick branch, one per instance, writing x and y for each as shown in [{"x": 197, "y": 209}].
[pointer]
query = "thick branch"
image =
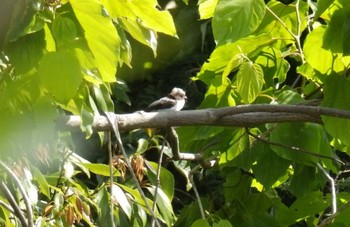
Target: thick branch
[{"x": 238, "y": 116}]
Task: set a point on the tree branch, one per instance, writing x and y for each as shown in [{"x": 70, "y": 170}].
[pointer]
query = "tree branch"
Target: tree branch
[{"x": 237, "y": 116}]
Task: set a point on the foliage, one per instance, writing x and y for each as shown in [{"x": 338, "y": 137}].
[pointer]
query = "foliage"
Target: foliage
[{"x": 65, "y": 57}]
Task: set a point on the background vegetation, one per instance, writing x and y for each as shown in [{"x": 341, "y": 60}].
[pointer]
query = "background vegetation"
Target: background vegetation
[{"x": 88, "y": 57}]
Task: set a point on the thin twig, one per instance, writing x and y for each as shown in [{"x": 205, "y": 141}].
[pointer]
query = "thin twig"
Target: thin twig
[
  {"x": 6, "y": 206},
  {"x": 190, "y": 177},
  {"x": 328, "y": 220},
  {"x": 23, "y": 193},
  {"x": 158, "y": 179},
  {"x": 293, "y": 148},
  {"x": 111, "y": 173},
  {"x": 333, "y": 191},
  {"x": 12, "y": 201},
  {"x": 111, "y": 119}
]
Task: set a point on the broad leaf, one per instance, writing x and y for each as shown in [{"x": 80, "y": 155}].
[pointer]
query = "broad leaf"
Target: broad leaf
[
  {"x": 100, "y": 169},
  {"x": 145, "y": 13},
  {"x": 60, "y": 74},
  {"x": 233, "y": 20},
  {"x": 166, "y": 180},
  {"x": 310, "y": 138},
  {"x": 206, "y": 8},
  {"x": 101, "y": 36},
  {"x": 250, "y": 80},
  {"x": 337, "y": 95},
  {"x": 319, "y": 58}
]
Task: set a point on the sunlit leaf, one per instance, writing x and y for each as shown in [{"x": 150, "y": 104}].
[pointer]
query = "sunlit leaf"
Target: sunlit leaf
[
  {"x": 120, "y": 196},
  {"x": 233, "y": 20},
  {"x": 206, "y": 8},
  {"x": 250, "y": 80},
  {"x": 101, "y": 35},
  {"x": 60, "y": 74},
  {"x": 146, "y": 14},
  {"x": 100, "y": 169}
]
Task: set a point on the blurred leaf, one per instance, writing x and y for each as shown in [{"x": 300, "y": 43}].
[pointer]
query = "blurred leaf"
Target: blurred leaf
[
  {"x": 233, "y": 20},
  {"x": 146, "y": 14},
  {"x": 305, "y": 206},
  {"x": 64, "y": 30},
  {"x": 100, "y": 169},
  {"x": 141, "y": 34},
  {"x": 142, "y": 146},
  {"x": 206, "y": 8},
  {"x": 337, "y": 95},
  {"x": 41, "y": 181},
  {"x": 101, "y": 36},
  {"x": 60, "y": 74},
  {"x": 26, "y": 52},
  {"x": 322, "y": 5},
  {"x": 201, "y": 223}
]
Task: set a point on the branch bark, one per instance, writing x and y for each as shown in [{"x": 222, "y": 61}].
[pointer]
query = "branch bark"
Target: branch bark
[{"x": 237, "y": 116}]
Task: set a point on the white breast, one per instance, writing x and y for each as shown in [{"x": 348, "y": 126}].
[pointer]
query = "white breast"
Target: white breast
[{"x": 179, "y": 105}]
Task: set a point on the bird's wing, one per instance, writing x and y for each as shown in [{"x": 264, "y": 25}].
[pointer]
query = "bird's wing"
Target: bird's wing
[{"x": 163, "y": 103}]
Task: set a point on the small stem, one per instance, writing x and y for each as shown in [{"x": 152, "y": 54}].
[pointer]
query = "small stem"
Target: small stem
[
  {"x": 14, "y": 205},
  {"x": 23, "y": 193},
  {"x": 190, "y": 176},
  {"x": 110, "y": 156},
  {"x": 158, "y": 179},
  {"x": 333, "y": 191},
  {"x": 114, "y": 124}
]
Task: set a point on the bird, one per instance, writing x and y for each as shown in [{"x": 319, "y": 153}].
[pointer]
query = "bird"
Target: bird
[{"x": 174, "y": 101}]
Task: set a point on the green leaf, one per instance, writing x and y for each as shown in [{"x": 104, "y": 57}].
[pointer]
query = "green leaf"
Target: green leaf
[
  {"x": 233, "y": 20},
  {"x": 60, "y": 74},
  {"x": 206, "y": 8},
  {"x": 100, "y": 169},
  {"x": 141, "y": 34},
  {"x": 273, "y": 64},
  {"x": 145, "y": 14},
  {"x": 121, "y": 198},
  {"x": 200, "y": 223},
  {"x": 101, "y": 35},
  {"x": 269, "y": 166},
  {"x": 223, "y": 55},
  {"x": 304, "y": 207},
  {"x": 250, "y": 80},
  {"x": 287, "y": 14},
  {"x": 26, "y": 52},
  {"x": 41, "y": 181},
  {"x": 164, "y": 206},
  {"x": 237, "y": 143},
  {"x": 64, "y": 30},
  {"x": 322, "y": 5},
  {"x": 336, "y": 36},
  {"x": 337, "y": 95},
  {"x": 318, "y": 57},
  {"x": 167, "y": 182},
  {"x": 307, "y": 136},
  {"x": 142, "y": 146}
]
